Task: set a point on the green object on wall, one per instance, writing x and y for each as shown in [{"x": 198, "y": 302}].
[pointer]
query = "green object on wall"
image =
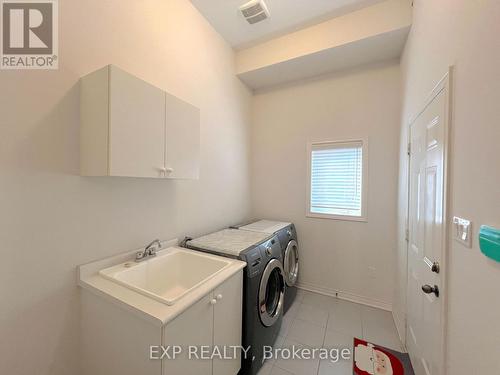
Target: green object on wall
[{"x": 489, "y": 242}]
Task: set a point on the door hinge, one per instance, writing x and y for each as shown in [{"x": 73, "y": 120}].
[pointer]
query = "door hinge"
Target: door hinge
[
  {"x": 407, "y": 235},
  {"x": 409, "y": 148}
]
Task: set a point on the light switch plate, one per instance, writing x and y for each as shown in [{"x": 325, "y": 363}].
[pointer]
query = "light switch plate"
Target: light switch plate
[{"x": 462, "y": 231}]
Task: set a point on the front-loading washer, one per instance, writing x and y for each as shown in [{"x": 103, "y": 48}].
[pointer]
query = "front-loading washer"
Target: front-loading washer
[
  {"x": 263, "y": 286},
  {"x": 287, "y": 236}
]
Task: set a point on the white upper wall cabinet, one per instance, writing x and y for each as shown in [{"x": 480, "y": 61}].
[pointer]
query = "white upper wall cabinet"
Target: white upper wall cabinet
[
  {"x": 136, "y": 126},
  {"x": 134, "y": 129},
  {"x": 182, "y": 139}
]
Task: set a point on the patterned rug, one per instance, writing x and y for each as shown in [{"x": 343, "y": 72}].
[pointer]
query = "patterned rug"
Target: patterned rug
[{"x": 371, "y": 359}]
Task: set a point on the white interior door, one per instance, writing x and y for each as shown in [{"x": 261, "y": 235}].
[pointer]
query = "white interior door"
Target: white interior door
[{"x": 427, "y": 238}]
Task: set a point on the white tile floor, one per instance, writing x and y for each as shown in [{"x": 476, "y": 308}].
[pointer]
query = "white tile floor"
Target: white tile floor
[{"x": 319, "y": 321}]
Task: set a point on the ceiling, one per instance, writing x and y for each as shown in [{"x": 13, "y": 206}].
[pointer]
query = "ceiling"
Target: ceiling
[
  {"x": 286, "y": 16},
  {"x": 378, "y": 48}
]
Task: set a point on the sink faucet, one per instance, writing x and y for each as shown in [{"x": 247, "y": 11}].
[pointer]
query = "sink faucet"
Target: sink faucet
[{"x": 149, "y": 251}]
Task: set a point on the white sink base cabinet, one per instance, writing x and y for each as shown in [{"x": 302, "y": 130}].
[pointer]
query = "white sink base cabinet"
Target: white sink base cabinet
[{"x": 117, "y": 341}]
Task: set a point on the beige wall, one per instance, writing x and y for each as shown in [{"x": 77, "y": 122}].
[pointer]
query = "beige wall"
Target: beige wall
[
  {"x": 51, "y": 219},
  {"x": 462, "y": 33},
  {"x": 335, "y": 255}
]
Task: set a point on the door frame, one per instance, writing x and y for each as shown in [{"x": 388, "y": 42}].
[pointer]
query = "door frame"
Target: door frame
[{"x": 444, "y": 84}]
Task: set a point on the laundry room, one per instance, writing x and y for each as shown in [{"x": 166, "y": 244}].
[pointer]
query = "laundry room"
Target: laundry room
[{"x": 271, "y": 187}]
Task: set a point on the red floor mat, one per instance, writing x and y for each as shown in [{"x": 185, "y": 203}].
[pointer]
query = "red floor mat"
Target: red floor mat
[{"x": 371, "y": 359}]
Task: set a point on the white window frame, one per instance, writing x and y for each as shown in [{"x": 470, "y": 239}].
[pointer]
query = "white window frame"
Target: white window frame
[{"x": 364, "y": 184}]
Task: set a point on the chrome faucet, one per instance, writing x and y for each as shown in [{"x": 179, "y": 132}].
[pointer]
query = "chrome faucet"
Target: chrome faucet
[{"x": 149, "y": 251}]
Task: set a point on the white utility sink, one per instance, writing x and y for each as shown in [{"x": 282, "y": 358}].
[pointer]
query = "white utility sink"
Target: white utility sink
[{"x": 168, "y": 276}]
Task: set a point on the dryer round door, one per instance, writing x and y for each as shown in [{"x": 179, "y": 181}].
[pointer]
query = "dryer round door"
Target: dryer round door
[
  {"x": 271, "y": 293},
  {"x": 291, "y": 263}
]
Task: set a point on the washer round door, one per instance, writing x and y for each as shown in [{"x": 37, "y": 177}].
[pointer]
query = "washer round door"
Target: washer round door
[
  {"x": 291, "y": 263},
  {"x": 271, "y": 293}
]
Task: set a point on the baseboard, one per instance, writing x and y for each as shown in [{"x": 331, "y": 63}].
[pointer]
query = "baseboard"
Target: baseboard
[
  {"x": 346, "y": 296},
  {"x": 399, "y": 327}
]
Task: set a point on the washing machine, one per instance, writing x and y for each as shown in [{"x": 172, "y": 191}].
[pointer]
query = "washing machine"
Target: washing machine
[
  {"x": 287, "y": 236},
  {"x": 263, "y": 286}
]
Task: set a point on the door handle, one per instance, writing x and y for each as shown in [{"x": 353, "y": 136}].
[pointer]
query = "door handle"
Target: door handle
[{"x": 427, "y": 289}]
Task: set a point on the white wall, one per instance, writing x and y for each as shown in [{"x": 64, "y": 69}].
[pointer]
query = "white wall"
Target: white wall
[
  {"x": 51, "y": 219},
  {"x": 465, "y": 34},
  {"x": 334, "y": 255}
]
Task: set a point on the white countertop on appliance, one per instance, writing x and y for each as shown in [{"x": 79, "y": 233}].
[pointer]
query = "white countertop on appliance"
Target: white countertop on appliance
[
  {"x": 229, "y": 241},
  {"x": 265, "y": 226}
]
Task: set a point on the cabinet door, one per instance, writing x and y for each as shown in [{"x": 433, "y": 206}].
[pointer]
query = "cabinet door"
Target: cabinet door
[
  {"x": 182, "y": 139},
  {"x": 228, "y": 322},
  {"x": 194, "y": 327},
  {"x": 137, "y": 126}
]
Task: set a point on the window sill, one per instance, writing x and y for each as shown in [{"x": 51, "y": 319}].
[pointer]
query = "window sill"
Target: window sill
[{"x": 362, "y": 219}]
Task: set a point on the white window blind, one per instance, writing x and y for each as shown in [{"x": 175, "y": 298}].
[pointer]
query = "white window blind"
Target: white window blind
[{"x": 337, "y": 178}]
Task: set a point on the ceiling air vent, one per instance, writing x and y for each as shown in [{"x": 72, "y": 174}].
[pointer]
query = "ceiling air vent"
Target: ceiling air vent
[{"x": 254, "y": 11}]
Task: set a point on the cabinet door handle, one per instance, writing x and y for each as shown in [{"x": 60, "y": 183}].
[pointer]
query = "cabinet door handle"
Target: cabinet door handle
[
  {"x": 219, "y": 296},
  {"x": 213, "y": 301}
]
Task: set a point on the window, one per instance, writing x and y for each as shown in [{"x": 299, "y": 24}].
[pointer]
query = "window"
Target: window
[{"x": 336, "y": 180}]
